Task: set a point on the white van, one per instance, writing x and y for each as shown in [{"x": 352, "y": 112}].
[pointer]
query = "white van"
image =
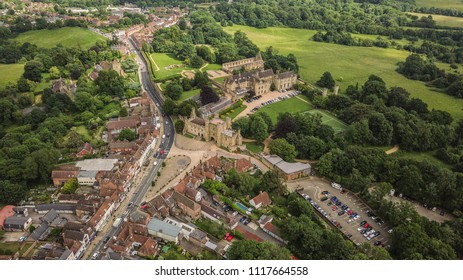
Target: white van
[{"x": 155, "y": 163}]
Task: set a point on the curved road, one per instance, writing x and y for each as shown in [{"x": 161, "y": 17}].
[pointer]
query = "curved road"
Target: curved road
[{"x": 166, "y": 145}]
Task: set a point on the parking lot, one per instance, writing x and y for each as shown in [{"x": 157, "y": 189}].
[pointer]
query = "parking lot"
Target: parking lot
[{"x": 349, "y": 226}]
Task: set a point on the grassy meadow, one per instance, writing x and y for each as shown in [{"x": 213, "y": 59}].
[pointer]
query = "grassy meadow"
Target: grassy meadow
[
  {"x": 163, "y": 60},
  {"x": 444, "y": 20},
  {"x": 443, "y": 4},
  {"x": 347, "y": 64},
  {"x": 293, "y": 105},
  {"x": 67, "y": 36},
  {"x": 10, "y": 73}
]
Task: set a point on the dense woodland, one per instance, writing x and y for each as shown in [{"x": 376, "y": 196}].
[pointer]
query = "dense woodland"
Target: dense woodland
[{"x": 34, "y": 136}]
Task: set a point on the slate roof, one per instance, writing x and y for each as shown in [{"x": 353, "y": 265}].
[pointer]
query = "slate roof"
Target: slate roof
[
  {"x": 50, "y": 216},
  {"x": 166, "y": 228}
]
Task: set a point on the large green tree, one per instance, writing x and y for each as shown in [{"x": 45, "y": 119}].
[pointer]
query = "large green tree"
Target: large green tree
[
  {"x": 326, "y": 81},
  {"x": 253, "y": 250},
  {"x": 283, "y": 149}
]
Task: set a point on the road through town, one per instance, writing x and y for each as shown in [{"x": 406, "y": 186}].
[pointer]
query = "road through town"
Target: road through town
[{"x": 139, "y": 190}]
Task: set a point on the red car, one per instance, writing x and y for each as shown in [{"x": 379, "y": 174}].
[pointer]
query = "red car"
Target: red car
[
  {"x": 228, "y": 236},
  {"x": 350, "y": 212},
  {"x": 334, "y": 208},
  {"x": 366, "y": 225}
]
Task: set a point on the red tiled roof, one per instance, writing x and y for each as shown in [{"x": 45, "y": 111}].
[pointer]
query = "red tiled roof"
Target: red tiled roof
[
  {"x": 126, "y": 123},
  {"x": 64, "y": 174},
  {"x": 6, "y": 212},
  {"x": 248, "y": 235},
  {"x": 263, "y": 198},
  {"x": 242, "y": 165}
]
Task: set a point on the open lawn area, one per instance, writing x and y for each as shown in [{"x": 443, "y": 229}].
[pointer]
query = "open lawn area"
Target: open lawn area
[
  {"x": 347, "y": 64},
  {"x": 330, "y": 120},
  {"x": 168, "y": 65},
  {"x": 254, "y": 147},
  {"x": 83, "y": 131},
  {"x": 188, "y": 94},
  {"x": 11, "y": 247},
  {"x": 10, "y": 73},
  {"x": 212, "y": 67},
  {"x": 443, "y": 4},
  {"x": 444, "y": 20},
  {"x": 429, "y": 157},
  {"x": 67, "y": 36},
  {"x": 293, "y": 105}
]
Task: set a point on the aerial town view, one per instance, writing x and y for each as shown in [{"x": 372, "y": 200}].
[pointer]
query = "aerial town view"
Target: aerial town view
[{"x": 231, "y": 130}]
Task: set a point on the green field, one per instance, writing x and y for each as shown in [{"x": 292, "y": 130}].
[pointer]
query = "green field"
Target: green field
[
  {"x": 212, "y": 67},
  {"x": 10, "y": 73},
  {"x": 330, "y": 120},
  {"x": 293, "y": 105},
  {"x": 444, "y": 20},
  {"x": 163, "y": 61},
  {"x": 254, "y": 147},
  {"x": 347, "y": 64},
  {"x": 443, "y": 4},
  {"x": 13, "y": 247},
  {"x": 188, "y": 94},
  {"x": 67, "y": 36},
  {"x": 429, "y": 157}
]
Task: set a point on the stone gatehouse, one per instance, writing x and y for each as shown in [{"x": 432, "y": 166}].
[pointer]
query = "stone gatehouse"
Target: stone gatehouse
[{"x": 214, "y": 129}]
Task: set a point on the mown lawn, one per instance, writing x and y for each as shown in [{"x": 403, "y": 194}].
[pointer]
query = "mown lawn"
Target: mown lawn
[
  {"x": 12, "y": 247},
  {"x": 330, "y": 120},
  {"x": 10, "y": 73},
  {"x": 347, "y": 64},
  {"x": 163, "y": 61},
  {"x": 255, "y": 147},
  {"x": 293, "y": 105},
  {"x": 67, "y": 36},
  {"x": 444, "y": 20},
  {"x": 428, "y": 156},
  {"x": 212, "y": 67},
  {"x": 188, "y": 94},
  {"x": 443, "y": 4}
]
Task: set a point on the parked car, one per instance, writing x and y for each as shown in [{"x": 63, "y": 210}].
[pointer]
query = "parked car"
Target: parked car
[
  {"x": 362, "y": 223},
  {"x": 377, "y": 243},
  {"x": 324, "y": 198},
  {"x": 366, "y": 225},
  {"x": 340, "y": 213},
  {"x": 228, "y": 236},
  {"x": 106, "y": 239},
  {"x": 243, "y": 219},
  {"x": 235, "y": 213},
  {"x": 325, "y": 193},
  {"x": 247, "y": 221}
]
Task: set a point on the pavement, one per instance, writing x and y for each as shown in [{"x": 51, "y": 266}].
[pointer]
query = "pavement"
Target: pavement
[{"x": 314, "y": 186}]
